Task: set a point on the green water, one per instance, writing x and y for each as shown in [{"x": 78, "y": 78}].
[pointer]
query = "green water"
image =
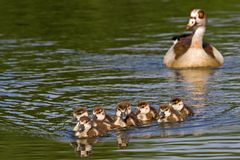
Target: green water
[{"x": 55, "y": 55}]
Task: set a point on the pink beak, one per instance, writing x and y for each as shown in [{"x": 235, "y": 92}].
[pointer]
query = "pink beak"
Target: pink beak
[{"x": 188, "y": 26}]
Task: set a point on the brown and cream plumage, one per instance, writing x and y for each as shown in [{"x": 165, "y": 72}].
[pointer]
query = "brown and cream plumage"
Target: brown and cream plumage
[
  {"x": 189, "y": 50},
  {"x": 145, "y": 112},
  {"x": 168, "y": 114},
  {"x": 87, "y": 130},
  {"x": 101, "y": 119},
  {"x": 127, "y": 115},
  {"x": 177, "y": 104}
]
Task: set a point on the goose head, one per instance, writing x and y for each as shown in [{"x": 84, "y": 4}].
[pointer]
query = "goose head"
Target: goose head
[
  {"x": 198, "y": 18},
  {"x": 143, "y": 107},
  {"x": 123, "y": 109},
  {"x": 99, "y": 113}
]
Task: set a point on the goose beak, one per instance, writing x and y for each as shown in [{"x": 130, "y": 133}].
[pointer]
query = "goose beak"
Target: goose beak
[
  {"x": 191, "y": 23},
  {"x": 162, "y": 114},
  {"x": 123, "y": 115},
  {"x": 188, "y": 27},
  {"x": 81, "y": 128}
]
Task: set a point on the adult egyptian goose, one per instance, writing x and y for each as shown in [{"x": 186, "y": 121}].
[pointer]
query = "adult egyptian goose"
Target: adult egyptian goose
[{"x": 189, "y": 50}]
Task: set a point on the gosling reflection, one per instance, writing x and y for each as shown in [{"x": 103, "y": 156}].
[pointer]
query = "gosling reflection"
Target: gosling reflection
[
  {"x": 83, "y": 147},
  {"x": 197, "y": 80},
  {"x": 122, "y": 139}
]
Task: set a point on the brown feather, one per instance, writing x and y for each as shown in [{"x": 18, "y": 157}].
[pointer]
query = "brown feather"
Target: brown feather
[
  {"x": 184, "y": 43},
  {"x": 132, "y": 120}
]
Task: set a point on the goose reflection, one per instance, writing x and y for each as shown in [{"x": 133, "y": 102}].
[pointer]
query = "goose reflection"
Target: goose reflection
[
  {"x": 83, "y": 147},
  {"x": 122, "y": 139},
  {"x": 197, "y": 83}
]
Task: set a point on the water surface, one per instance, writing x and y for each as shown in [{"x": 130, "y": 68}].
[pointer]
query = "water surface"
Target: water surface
[{"x": 57, "y": 55}]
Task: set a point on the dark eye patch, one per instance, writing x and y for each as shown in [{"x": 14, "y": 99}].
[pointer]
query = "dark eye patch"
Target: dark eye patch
[
  {"x": 201, "y": 14},
  {"x": 176, "y": 102}
]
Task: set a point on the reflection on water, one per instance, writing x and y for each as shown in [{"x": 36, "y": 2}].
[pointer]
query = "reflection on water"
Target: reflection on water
[
  {"x": 197, "y": 80},
  {"x": 83, "y": 147},
  {"x": 122, "y": 139}
]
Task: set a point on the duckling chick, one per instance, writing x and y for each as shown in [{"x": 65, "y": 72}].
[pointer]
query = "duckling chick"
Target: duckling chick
[
  {"x": 86, "y": 129},
  {"x": 101, "y": 119},
  {"x": 126, "y": 113},
  {"x": 179, "y": 106},
  {"x": 168, "y": 114},
  {"x": 119, "y": 118},
  {"x": 79, "y": 112},
  {"x": 145, "y": 112}
]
